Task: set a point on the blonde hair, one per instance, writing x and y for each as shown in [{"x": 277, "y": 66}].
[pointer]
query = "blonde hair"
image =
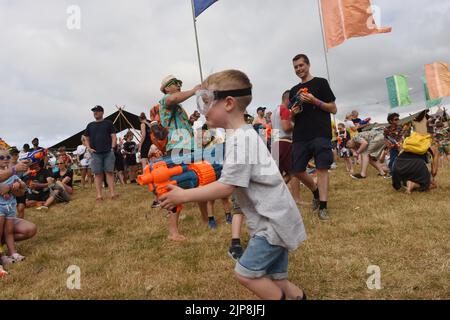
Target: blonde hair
[{"x": 231, "y": 80}]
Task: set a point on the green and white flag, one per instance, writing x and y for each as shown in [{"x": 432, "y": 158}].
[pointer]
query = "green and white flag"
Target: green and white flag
[
  {"x": 430, "y": 103},
  {"x": 398, "y": 90}
]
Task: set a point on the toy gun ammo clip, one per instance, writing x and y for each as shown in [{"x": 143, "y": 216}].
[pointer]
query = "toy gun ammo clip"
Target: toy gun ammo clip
[
  {"x": 187, "y": 171},
  {"x": 297, "y": 101}
]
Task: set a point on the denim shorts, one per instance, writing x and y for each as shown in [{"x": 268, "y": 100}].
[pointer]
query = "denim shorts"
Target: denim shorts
[
  {"x": 103, "y": 162},
  {"x": 261, "y": 259},
  {"x": 8, "y": 211}
]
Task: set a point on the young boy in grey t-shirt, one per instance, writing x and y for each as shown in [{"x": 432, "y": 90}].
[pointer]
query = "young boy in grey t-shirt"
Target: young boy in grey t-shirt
[{"x": 273, "y": 219}]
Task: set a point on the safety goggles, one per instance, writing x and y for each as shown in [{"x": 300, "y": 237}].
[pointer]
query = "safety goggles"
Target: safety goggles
[
  {"x": 2, "y": 158},
  {"x": 206, "y": 98},
  {"x": 176, "y": 82}
]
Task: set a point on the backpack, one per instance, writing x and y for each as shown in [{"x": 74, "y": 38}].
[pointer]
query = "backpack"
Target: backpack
[
  {"x": 159, "y": 135},
  {"x": 417, "y": 143}
]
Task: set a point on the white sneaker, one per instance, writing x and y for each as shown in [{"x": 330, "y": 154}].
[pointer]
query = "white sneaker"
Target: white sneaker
[
  {"x": 16, "y": 257},
  {"x": 42, "y": 208},
  {"x": 334, "y": 166}
]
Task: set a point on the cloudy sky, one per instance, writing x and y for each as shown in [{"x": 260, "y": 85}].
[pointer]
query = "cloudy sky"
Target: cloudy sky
[{"x": 50, "y": 75}]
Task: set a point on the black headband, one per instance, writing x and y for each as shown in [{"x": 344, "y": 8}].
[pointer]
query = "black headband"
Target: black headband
[{"x": 232, "y": 93}]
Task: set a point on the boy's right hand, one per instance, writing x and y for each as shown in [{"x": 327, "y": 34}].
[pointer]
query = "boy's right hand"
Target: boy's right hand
[{"x": 173, "y": 198}]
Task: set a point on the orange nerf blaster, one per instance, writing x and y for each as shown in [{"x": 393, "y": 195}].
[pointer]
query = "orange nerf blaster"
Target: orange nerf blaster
[{"x": 159, "y": 175}]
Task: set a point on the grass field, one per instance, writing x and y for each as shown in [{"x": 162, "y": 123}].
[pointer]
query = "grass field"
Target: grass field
[{"x": 122, "y": 252}]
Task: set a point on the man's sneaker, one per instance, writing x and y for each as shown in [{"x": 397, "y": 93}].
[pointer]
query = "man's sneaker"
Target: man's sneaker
[
  {"x": 315, "y": 204},
  {"x": 334, "y": 166},
  {"x": 212, "y": 224},
  {"x": 357, "y": 176},
  {"x": 229, "y": 218},
  {"x": 323, "y": 214},
  {"x": 42, "y": 208},
  {"x": 5, "y": 260},
  {"x": 235, "y": 252},
  {"x": 16, "y": 257}
]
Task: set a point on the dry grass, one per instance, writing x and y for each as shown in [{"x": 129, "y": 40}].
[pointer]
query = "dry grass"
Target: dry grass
[{"x": 124, "y": 255}]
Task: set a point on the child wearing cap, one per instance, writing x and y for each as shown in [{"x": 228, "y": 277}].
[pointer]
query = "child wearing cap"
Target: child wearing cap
[{"x": 273, "y": 219}]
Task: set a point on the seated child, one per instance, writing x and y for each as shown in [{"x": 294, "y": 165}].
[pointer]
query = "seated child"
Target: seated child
[{"x": 273, "y": 219}]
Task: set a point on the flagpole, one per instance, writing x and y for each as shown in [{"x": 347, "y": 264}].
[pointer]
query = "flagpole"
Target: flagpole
[{"x": 196, "y": 40}]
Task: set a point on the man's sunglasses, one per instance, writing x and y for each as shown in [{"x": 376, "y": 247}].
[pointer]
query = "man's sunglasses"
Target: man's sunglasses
[
  {"x": 60, "y": 163},
  {"x": 176, "y": 82},
  {"x": 5, "y": 158}
]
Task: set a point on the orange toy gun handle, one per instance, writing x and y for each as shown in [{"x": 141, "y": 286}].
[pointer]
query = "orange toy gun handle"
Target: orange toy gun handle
[{"x": 162, "y": 189}]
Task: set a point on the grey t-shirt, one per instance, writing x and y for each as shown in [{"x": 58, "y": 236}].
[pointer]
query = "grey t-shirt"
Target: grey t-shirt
[{"x": 263, "y": 196}]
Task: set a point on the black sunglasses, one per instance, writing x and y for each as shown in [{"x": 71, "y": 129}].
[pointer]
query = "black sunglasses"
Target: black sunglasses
[
  {"x": 175, "y": 82},
  {"x": 60, "y": 163},
  {"x": 5, "y": 158}
]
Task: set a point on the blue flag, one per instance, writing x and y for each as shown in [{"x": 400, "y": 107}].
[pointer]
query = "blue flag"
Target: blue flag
[{"x": 202, "y": 5}]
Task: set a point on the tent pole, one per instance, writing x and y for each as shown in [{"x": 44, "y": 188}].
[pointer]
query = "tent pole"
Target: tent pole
[{"x": 131, "y": 126}]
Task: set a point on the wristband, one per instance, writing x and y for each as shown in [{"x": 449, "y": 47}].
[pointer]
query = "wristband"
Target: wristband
[
  {"x": 13, "y": 170},
  {"x": 320, "y": 103}
]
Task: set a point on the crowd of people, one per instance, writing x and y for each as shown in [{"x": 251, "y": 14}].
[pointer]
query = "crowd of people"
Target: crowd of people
[{"x": 299, "y": 142}]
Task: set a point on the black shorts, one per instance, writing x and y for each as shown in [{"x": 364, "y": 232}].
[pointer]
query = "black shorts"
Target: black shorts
[
  {"x": 131, "y": 160},
  {"x": 145, "y": 149},
  {"x": 304, "y": 151}
]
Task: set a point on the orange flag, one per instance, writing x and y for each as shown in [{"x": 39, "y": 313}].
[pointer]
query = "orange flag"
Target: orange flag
[
  {"x": 344, "y": 19},
  {"x": 438, "y": 80}
]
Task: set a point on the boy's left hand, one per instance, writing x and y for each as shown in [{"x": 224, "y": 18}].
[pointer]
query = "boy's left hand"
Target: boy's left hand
[{"x": 173, "y": 198}]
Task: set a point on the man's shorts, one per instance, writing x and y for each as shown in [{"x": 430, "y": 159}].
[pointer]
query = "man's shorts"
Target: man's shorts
[
  {"x": 304, "y": 151},
  {"x": 8, "y": 211},
  {"x": 103, "y": 162},
  {"x": 282, "y": 153},
  {"x": 261, "y": 259}
]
